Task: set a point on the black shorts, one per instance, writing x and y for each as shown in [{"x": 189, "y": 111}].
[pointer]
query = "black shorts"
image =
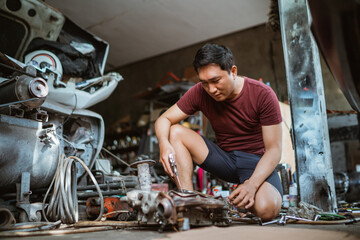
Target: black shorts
[{"x": 234, "y": 166}]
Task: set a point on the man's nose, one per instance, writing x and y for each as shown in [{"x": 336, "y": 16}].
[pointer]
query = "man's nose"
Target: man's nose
[{"x": 212, "y": 88}]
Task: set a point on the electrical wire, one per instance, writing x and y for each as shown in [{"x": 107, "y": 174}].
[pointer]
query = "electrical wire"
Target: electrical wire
[
  {"x": 20, "y": 101},
  {"x": 72, "y": 111},
  {"x": 63, "y": 203},
  {"x": 74, "y": 150},
  {"x": 116, "y": 157}
]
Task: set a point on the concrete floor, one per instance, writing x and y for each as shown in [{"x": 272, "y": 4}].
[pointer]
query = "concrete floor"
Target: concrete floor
[{"x": 243, "y": 231}]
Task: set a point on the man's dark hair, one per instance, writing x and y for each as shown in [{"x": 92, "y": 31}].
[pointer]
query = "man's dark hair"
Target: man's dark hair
[{"x": 214, "y": 53}]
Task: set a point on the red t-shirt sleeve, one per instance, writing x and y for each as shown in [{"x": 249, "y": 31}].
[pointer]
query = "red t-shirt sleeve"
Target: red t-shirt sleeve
[
  {"x": 190, "y": 102},
  {"x": 270, "y": 112}
]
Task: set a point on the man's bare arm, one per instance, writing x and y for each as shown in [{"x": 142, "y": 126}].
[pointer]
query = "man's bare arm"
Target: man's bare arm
[
  {"x": 162, "y": 129},
  {"x": 272, "y": 137}
]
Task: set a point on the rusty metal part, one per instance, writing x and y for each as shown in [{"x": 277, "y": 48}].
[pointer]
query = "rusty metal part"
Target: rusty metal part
[
  {"x": 194, "y": 199},
  {"x": 201, "y": 209},
  {"x": 114, "y": 208},
  {"x": 172, "y": 207},
  {"x": 166, "y": 208},
  {"x": 116, "y": 224},
  {"x": 145, "y": 202},
  {"x": 6, "y": 218}
]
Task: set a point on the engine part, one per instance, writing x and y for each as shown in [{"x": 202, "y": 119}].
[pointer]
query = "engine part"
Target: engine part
[
  {"x": 146, "y": 203},
  {"x": 71, "y": 96},
  {"x": 143, "y": 199},
  {"x": 28, "y": 153},
  {"x": 114, "y": 208},
  {"x": 172, "y": 207},
  {"x": 201, "y": 209},
  {"x": 117, "y": 182},
  {"x": 67, "y": 122},
  {"x": 41, "y": 117},
  {"x": 43, "y": 59},
  {"x": 46, "y": 62},
  {"x": 30, "y": 91},
  {"x": 29, "y": 212},
  {"x": 143, "y": 167},
  {"x": 37, "y": 145},
  {"x": 108, "y": 188},
  {"x": 6, "y": 218}
]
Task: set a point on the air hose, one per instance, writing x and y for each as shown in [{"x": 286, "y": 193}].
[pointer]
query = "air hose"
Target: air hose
[{"x": 63, "y": 202}]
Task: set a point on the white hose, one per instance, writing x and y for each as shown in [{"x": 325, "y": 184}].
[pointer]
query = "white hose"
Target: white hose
[{"x": 63, "y": 203}]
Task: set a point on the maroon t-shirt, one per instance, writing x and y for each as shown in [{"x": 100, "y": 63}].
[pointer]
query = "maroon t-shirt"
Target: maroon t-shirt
[{"x": 236, "y": 122}]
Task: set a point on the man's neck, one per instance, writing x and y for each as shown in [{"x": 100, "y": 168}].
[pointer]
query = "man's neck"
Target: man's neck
[{"x": 239, "y": 84}]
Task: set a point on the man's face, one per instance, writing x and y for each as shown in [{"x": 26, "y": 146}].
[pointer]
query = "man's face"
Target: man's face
[{"x": 218, "y": 83}]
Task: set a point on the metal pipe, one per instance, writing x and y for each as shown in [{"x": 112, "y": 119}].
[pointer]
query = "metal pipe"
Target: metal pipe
[
  {"x": 144, "y": 176},
  {"x": 106, "y": 186},
  {"x": 85, "y": 195}
]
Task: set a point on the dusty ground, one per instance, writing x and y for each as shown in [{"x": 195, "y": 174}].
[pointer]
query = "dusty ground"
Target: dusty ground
[{"x": 244, "y": 231}]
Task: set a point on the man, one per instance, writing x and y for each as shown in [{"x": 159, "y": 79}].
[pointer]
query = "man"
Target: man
[{"x": 246, "y": 119}]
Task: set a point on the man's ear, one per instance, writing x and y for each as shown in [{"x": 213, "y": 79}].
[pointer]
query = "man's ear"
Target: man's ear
[{"x": 234, "y": 70}]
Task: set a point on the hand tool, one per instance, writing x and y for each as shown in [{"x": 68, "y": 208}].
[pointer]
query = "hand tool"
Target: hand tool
[
  {"x": 283, "y": 219},
  {"x": 174, "y": 169}
]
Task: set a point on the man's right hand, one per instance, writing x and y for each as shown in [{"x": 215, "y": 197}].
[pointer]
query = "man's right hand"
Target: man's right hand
[
  {"x": 165, "y": 151},
  {"x": 243, "y": 196}
]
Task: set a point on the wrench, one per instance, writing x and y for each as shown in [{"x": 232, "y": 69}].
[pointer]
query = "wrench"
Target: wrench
[
  {"x": 298, "y": 218},
  {"x": 283, "y": 219},
  {"x": 174, "y": 168}
]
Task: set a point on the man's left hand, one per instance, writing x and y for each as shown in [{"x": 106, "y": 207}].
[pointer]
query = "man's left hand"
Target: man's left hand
[{"x": 243, "y": 196}]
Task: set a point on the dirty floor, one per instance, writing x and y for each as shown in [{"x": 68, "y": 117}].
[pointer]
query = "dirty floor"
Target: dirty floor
[{"x": 243, "y": 231}]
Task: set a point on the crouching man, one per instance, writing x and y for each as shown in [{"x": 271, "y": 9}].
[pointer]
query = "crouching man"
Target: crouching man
[{"x": 246, "y": 119}]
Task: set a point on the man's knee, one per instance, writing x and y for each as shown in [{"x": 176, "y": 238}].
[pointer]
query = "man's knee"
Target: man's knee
[
  {"x": 267, "y": 203},
  {"x": 176, "y": 131},
  {"x": 267, "y": 210}
]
